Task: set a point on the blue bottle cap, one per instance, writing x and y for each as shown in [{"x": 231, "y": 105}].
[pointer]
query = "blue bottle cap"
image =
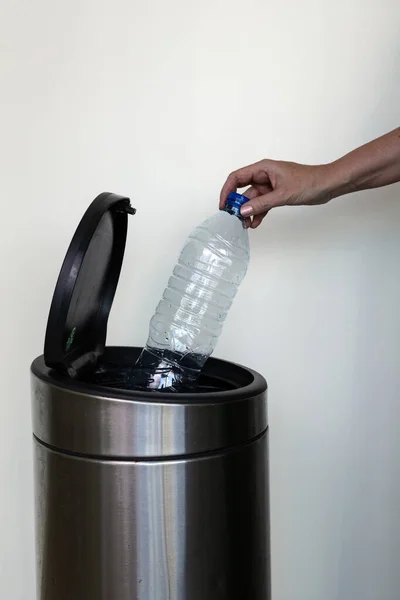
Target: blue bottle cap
[{"x": 237, "y": 200}]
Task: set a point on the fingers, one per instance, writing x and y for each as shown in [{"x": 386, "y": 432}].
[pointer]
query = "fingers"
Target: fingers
[
  {"x": 257, "y": 220},
  {"x": 248, "y": 222},
  {"x": 238, "y": 179},
  {"x": 251, "y": 193},
  {"x": 262, "y": 204}
]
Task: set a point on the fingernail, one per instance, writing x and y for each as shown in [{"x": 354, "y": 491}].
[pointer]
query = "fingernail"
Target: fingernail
[{"x": 246, "y": 210}]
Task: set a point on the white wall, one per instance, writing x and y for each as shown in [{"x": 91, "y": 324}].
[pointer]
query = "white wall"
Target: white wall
[{"x": 160, "y": 100}]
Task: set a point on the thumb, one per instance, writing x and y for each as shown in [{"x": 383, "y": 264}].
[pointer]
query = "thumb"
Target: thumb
[{"x": 262, "y": 204}]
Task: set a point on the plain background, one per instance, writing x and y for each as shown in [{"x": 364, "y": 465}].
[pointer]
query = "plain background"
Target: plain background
[{"x": 160, "y": 100}]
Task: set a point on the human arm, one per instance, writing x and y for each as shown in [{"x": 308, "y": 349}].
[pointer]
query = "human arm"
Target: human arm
[{"x": 279, "y": 183}]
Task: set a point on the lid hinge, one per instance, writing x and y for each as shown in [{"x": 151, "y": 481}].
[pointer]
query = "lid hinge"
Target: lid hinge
[{"x": 125, "y": 207}]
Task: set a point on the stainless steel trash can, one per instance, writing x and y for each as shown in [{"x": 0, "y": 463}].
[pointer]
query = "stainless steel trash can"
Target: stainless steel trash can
[{"x": 141, "y": 495}]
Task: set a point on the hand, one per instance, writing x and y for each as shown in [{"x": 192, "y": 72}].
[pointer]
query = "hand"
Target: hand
[{"x": 277, "y": 183}]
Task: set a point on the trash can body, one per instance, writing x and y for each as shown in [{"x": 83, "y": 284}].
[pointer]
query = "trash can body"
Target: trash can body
[
  {"x": 140, "y": 495},
  {"x": 149, "y": 496}
]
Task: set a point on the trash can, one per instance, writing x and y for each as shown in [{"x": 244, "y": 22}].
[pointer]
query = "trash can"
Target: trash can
[{"x": 140, "y": 495}]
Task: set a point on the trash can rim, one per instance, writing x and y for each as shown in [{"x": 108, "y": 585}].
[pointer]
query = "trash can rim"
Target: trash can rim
[{"x": 255, "y": 385}]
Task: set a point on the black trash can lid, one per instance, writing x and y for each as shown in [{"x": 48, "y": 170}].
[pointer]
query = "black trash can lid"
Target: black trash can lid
[{"x": 77, "y": 324}]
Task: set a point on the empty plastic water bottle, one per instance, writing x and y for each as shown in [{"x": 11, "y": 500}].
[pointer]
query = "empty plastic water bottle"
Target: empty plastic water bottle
[{"x": 189, "y": 318}]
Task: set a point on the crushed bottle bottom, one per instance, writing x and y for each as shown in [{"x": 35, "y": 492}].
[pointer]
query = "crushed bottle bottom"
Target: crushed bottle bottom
[
  {"x": 154, "y": 371},
  {"x": 131, "y": 378},
  {"x": 163, "y": 370}
]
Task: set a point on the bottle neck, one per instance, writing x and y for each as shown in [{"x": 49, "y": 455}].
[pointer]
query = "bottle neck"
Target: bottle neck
[{"x": 234, "y": 210}]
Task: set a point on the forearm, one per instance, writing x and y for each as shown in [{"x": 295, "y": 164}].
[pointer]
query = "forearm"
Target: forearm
[{"x": 374, "y": 165}]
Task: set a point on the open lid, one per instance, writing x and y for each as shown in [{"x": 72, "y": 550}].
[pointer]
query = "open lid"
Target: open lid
[{"x": 77, "y": 324}]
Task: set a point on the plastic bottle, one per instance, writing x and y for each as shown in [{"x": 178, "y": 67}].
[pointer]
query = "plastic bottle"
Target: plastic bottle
[{"x": 189, "y": 317}]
